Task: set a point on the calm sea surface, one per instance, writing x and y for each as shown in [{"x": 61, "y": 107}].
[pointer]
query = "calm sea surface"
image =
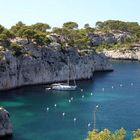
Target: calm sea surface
[{"x": 117, "y": 94}]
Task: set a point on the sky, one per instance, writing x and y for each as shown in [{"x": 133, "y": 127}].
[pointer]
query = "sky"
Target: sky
[{"x": 56, "y": 12}]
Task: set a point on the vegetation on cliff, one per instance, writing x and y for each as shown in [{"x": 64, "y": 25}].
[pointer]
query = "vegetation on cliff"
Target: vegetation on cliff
[
  {"x": 116, "y": 25},
  {"x": 108, "y": 34},
  {"x": 108, "y": 135}
]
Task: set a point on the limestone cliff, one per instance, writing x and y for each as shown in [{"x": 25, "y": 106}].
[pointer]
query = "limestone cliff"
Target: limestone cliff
[
  {"x": 47, "y": 64},
  {"x": 5, "y": 123}
]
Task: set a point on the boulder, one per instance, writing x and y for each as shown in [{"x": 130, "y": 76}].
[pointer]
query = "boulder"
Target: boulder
[
  {"x": 5, "y": 123},
  {"x": 109, "y": 38},
  {"x": 122, "y": 36},
  {"x": 95, "y": 39}
]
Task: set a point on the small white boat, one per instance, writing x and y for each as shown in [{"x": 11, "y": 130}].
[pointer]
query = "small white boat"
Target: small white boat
[{"x": 63, "y": 86}]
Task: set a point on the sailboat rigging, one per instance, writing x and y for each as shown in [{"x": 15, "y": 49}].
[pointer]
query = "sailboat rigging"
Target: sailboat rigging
[{"x": 65, "y": 86}]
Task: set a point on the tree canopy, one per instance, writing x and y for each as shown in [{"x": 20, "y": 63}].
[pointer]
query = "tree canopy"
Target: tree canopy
[
  {"x": 79, "y": 38},
  {"x": 70, "y": 25},
  {"x": 1, "y": 29},
  {"x": 16, "y": 28},
  {"x": 41, "y": 27},
  {"x": 116, "y": 25}
]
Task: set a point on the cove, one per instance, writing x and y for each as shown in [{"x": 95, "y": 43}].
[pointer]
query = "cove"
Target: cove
[{"x": 116, "y": 93}]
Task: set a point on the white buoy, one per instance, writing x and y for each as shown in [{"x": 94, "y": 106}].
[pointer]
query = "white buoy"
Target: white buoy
[
  {"x": 48, "y": 108},
  {"x": 112, "y": 87},
  {"x": 74, "y": 119},
  {"x": 103, "y": 89},
  {"x": 89, "y": 124},
  {"x": 69, "y": 101},
  {"x": 81, "y": 90},
  {"x": 83, "y": 96},
  {"x": 121, "y": 85},
  {"x": 131, "y": 84},
  {"x": 63, "y": 114},
  {"x": 97, "y": 106},
  {"x": 48, "y": 88},
  {"x": 91, "y": 93},
  {"x": 55, "y": 105},
  {"x": 71, "y": 98}
]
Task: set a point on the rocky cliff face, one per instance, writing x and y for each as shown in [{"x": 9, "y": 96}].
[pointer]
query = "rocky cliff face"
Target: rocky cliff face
[
  {"x": 123, "y": 54},
  {"x": 46, "y": 65},
  {"x": 5, "y": 123},
  {"x": 108, "y": 38}
]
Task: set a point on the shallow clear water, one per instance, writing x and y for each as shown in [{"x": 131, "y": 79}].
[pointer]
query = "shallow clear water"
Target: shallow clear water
[{"x": 118, "y": 106}]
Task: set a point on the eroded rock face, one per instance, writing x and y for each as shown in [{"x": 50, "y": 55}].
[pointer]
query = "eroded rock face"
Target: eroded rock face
[
  {"x": 47, "y": 65},
  {"x": 108, "y": 38},
  {"x": 123, "y": 54},
  {"x": 5, "y": 123}
]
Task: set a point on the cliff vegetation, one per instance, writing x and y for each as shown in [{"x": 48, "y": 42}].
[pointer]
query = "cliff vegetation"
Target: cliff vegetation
[
  {"x": 108, "y": 135},
  {"x": 109, "y": 34}
]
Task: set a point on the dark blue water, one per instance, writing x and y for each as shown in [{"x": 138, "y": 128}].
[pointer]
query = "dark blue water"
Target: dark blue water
[{"x": 118, "y": 106}]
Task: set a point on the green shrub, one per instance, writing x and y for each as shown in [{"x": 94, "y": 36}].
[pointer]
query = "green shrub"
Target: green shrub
[
  {"x": 136, "y": 134},
  {"x": 17, "y": 49},
  {"x": 106, "y": 135},
  {"x": 4, "y": 40}
]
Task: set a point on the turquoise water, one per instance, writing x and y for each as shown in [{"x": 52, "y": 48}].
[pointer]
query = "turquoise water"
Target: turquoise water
[{"x": 118, "y": 106}]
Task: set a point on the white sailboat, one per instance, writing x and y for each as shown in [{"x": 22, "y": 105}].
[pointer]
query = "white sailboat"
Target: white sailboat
[{"x": 65, "y": 86}]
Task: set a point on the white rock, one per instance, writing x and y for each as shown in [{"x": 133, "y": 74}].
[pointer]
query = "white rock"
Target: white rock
[{"x": 123, "y": 54}]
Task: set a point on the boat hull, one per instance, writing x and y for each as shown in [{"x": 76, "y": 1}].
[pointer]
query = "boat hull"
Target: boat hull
[{"x": 63, "y": 87}]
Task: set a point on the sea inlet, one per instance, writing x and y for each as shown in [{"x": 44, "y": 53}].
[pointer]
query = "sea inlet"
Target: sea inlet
[{"x": 40, "y": 114}]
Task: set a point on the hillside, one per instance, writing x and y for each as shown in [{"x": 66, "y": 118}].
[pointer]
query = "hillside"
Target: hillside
[{"x": 108, "y": 34}]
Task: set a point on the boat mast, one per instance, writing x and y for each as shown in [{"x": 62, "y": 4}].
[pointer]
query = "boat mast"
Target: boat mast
[
  {"x": 68, "y": 70},
  {"x": 74, "y": 82}
]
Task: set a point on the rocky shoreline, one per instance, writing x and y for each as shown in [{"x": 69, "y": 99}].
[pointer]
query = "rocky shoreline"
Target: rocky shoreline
[
  {"x": 123, "y": 54},
  {"x": 5, "y": 123}
]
